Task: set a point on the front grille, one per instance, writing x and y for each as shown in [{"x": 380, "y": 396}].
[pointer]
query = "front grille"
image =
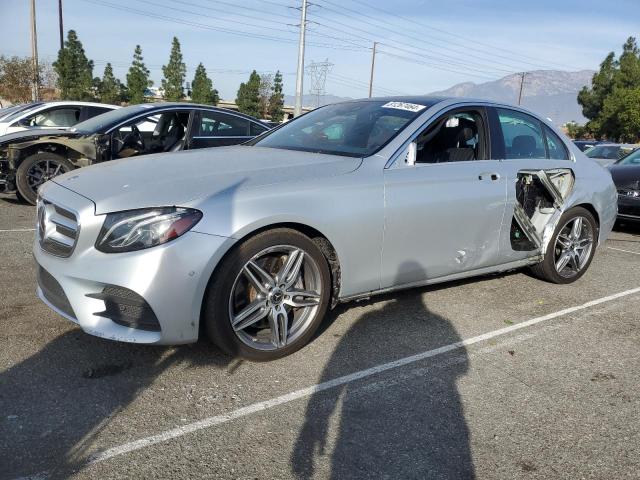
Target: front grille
[
  {"x": 58, "y": 228},
  {"x": 125, "y": 307},
  {"x": 53, "y": 292}
]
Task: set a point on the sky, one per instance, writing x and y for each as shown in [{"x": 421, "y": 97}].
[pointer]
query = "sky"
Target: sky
[{"x": 424, "y": 46}]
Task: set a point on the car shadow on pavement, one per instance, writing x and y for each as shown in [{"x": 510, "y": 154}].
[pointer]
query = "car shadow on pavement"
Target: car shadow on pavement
[
  {"x": 54, "y": 403},
  {"x": 398, "y": 424}
]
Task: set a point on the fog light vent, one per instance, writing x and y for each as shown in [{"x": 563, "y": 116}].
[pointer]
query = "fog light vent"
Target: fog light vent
[{"x": 125, "y": 307}]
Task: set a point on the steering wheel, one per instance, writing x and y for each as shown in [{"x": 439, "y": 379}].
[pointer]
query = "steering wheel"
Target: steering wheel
[{"x": 138, "y": 138}]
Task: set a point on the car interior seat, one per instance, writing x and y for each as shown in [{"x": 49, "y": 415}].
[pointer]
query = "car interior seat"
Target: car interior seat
[{"x": 523, "y": 146}]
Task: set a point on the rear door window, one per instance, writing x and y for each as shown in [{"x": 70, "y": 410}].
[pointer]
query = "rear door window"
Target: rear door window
[
  {"x": 555, "y": 146},
  {"x": 216, "y": 124},
  {"x": 522, "y": 134}
]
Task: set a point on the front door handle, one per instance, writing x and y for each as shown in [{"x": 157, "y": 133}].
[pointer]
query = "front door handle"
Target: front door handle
[{"x": 493, "y": 176}]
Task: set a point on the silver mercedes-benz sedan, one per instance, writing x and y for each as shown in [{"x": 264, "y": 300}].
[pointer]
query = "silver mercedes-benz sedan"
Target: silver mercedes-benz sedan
[{"x": 252, "y": 244}]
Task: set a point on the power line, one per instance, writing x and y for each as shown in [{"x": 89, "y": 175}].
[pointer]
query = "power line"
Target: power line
[
  {"x": 466, "y": 64},
  {"x": 206, "y": 26},
  {"x": 512, "y": 56}
]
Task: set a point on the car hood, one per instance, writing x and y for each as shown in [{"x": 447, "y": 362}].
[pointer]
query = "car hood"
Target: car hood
[
  {"x": 626, "y": 176},
  {"x": 180, "y": 178},
  {"x": 32, "y": 134}
]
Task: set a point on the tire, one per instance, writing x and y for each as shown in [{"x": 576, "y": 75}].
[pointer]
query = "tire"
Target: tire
[
  {"x": 231, "y": 292},
  {"x": 548, "y": 268},
  {"x": 20, "y": 198},
  {"x": 28, "y": 181}
]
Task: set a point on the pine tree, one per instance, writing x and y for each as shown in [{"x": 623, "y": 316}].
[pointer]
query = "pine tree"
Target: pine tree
[
  {"x": 174, "y": 74},
  {"x": 74, "y": 69},
  {"x": 612, "y": 103},
  {"x": 202, "y": 90},
  {"x": 109, "y": 86},
  {"x": 248, "y": 99},
  {"x": 137, "y": 78},
  {"x": 276, "y": 102}
]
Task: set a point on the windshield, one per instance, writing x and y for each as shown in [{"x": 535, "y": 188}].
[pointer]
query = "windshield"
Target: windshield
[
  {"x": 21, "y": 109},
  {"x": 610, "y": 152},
  {"x": 631, "y": 159},
  {"x": 354, "y": 129},
  {"x": 101, "y": 123}
]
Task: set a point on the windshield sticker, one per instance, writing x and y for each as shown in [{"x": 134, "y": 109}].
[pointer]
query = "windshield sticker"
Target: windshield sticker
[{"x": 410, "y": 107}]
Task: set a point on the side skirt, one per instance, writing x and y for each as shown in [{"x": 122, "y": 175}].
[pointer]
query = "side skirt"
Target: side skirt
[{"x": 447, "y": 278}]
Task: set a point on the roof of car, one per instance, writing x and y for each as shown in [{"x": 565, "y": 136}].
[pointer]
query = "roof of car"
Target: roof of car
[{"x": 74, "y": 102}]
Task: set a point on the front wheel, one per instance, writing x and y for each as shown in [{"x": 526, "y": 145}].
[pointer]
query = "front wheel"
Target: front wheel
[
  {"x": 268, "y": 296},
  {"x": 571, "y": 248},
  {"x": 36, "y": 170}
]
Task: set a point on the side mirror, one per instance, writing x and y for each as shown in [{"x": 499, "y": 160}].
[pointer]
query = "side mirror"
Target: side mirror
[{"x": 410, "y": 157}]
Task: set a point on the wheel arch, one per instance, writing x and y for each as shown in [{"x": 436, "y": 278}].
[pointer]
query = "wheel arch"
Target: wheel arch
[
  {"x": 320, "y": 239},
  {"x": 31, "y": 148}
]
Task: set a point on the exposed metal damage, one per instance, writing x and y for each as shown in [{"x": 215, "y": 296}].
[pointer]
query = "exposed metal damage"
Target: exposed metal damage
[{"x": 540, "y": 200}]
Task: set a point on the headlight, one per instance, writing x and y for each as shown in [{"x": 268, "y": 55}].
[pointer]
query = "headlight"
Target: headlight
[{"x": 145, "y": 228}]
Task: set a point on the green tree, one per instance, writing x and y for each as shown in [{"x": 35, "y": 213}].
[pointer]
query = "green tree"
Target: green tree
[
  {"x": 137, "y": 78},
  {"x": 109, "y": 86},
  {"x": 74, "y": 69},
  {"x": 202, "y": 90},
  {"x": 248, "y": 98},
  {"x": 612, "y": 102},
  {"x": 276, "y": 101},
  {"x": 174, "y": 74}
]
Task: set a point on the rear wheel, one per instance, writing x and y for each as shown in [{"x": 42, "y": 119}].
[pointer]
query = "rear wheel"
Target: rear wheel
[
  {"x": 268, "y": 296},
  {"x": 571, "y": 248},
  {"x": 38, "y": 169}
]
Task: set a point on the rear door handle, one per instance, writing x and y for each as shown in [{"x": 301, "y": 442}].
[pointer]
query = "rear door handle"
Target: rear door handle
[{"x": 493, "y": 176}]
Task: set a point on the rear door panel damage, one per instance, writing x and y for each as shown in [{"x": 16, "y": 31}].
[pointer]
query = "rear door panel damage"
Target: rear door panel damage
[{"x": 540, "y": 201}]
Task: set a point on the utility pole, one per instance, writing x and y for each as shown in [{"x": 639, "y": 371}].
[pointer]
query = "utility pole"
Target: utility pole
[
  {"x": 34, "y": 54},
  {"x": 61, "y": 25},
  {"x": 522, "y": 75},
  {"x": 373, "y": 64},
  {"x": 300, "y": 74}
]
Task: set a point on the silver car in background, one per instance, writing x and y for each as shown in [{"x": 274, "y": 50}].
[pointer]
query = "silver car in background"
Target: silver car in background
[{"x": 252, "y": 244}]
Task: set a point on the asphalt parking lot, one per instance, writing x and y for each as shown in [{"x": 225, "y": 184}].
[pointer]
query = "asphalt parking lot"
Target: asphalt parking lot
[{"x": 498, "y": 377}]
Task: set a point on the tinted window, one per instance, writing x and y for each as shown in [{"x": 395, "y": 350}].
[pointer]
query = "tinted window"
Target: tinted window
[
  {"x": 522, "y": 135},
  {"x": 352, "y": 128},
  {"x": 257, "y": 129},
  {"x": 555, "y": 146},
  {"x": 454, "y": 137},
  {"x": 215, "y": 124},
  {"x": 95, "y": 111}
]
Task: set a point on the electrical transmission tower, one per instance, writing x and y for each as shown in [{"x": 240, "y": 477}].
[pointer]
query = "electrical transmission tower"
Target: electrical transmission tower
[{"x": 318, "y": 72}]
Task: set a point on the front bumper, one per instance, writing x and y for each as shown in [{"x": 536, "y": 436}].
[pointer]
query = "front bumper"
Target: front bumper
[{"x": 171, "y": 279}]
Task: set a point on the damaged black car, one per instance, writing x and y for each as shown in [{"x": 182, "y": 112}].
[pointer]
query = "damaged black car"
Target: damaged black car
[{"x": 28, "y": 159}]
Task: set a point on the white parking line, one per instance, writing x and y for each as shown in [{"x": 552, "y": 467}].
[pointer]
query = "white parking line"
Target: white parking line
[
  {"x": 306, "y": 392},
  {"x": 18, "y": 230},
  {"x": 621, "y": 250}
]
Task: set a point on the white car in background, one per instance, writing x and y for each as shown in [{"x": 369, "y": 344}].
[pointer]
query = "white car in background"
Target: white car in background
[{"x": 61, "y": 115}]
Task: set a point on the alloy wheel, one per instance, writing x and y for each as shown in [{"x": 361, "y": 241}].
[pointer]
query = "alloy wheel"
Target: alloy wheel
[
  {"x": 44, "y": 170},
  {"x": 573, "y": 247},
  {"x": 275, "y": 297}
]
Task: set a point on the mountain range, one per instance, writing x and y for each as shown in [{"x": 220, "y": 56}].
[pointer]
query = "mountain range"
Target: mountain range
[{"x": 549, "y": 93}]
